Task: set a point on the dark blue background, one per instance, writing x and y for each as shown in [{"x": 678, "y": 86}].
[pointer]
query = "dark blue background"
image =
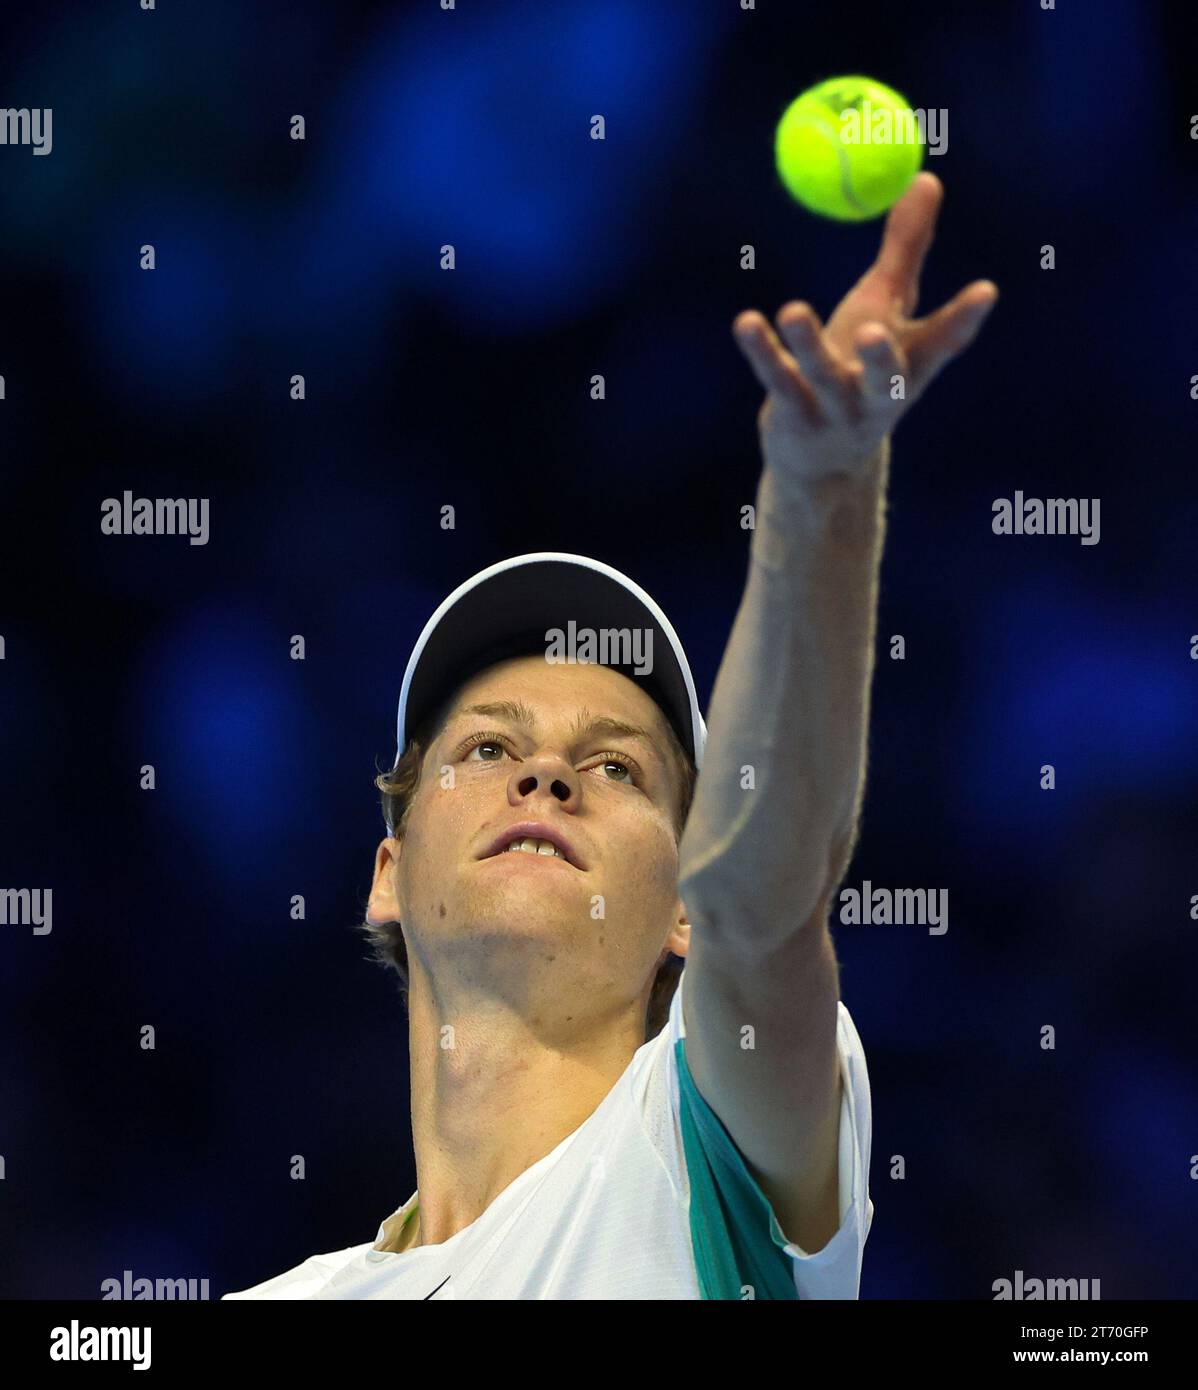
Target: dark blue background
[{"x": 470, "y": 389}]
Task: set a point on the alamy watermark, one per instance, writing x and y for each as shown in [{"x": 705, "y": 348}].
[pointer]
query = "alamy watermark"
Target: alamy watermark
[
  {"x": 28, "y": 907},
  {"x": 163, "y": 1290},
  {"x": 1053, "y": 516},
  {"x": 19, "y": 125},
  {"x": 880, "y": 125},
  {"x": 155, "y": 516},
  {"x": 606, "y": 646},
  {"x": 1021, "y": 1288},
  {"x": 82, "y": 1342},
  {"x": 921, "y": 907}
]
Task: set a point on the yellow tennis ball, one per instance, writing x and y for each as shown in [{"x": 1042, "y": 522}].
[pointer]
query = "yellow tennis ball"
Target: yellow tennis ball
[{"x": 847, "y": 148}]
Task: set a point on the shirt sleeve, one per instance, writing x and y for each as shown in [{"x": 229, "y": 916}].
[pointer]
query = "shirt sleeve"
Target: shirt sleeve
[{"x": 740, "y": 1249}]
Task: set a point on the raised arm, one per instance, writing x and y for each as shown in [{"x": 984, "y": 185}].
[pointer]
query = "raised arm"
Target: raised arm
[{"x": 775, "y": 813}]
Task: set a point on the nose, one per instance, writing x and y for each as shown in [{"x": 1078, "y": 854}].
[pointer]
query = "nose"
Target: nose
[{"x": 546, "y": 772}]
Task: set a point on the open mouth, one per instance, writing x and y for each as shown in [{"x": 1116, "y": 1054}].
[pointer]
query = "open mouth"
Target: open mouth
[
  {"x": 534, "y": 837},
  {"x": 543, "y": 849}
]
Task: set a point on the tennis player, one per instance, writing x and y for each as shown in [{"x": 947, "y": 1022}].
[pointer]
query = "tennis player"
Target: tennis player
[{"x": 565, "y": 834}]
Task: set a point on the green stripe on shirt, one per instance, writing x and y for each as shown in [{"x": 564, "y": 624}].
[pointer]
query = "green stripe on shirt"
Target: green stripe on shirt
[{"x": 737, "y": 1241}]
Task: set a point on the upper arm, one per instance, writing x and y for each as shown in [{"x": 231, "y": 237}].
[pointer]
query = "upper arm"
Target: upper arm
[{"x": 761, "y": 1046}]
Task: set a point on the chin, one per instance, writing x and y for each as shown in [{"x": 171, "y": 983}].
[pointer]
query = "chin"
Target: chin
[{"x": 530, "y": 909}]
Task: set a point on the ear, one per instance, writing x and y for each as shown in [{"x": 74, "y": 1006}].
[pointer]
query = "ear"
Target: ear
[
  {"x": 383, "y": 906},
  {"x": 678, "y": 941}
]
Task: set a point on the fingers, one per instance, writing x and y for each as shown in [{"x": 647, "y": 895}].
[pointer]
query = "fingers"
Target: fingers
[
  {"x": 829, "y": 388},
  {"x": 881, "y": 359},
  {"x": 934, "y": 341},
  {"x": 800, "y": 369},
  {"x": 910, "y": 226},
  {"x": 767, "y": 356},
  {"x": 822, "y": 370}
]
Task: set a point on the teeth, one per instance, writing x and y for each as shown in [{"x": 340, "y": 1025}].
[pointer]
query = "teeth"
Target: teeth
[{"x": 530, "y": 846}]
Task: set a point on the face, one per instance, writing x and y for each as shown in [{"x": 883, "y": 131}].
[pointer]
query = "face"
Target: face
[{"x": 554, "y": 937}]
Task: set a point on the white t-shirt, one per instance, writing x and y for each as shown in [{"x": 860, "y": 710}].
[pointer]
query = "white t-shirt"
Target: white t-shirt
[{"x": 647, "y": 1199}]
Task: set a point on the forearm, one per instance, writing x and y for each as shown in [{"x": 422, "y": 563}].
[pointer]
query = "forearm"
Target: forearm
[{"x": 790, "y": 710}]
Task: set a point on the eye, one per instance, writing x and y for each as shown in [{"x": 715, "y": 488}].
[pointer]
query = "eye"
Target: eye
[
  {"x": 626, "y": 765},
  {"x": 488, "y": 739},
  {"x": 480, "y": 741}
]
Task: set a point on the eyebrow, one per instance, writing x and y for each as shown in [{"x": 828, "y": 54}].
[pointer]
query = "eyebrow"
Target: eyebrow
[{"x": 584, "y": 726}]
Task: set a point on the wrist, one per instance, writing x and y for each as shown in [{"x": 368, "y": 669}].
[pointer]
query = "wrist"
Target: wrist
[{"x": 796, "y": 512}]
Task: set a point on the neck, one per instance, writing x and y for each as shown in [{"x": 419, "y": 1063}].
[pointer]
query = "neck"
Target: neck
[{"x": 496, "y": 1093}]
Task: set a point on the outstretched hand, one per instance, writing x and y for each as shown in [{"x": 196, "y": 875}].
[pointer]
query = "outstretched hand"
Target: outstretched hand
[{"x": 832, "y": 394}]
